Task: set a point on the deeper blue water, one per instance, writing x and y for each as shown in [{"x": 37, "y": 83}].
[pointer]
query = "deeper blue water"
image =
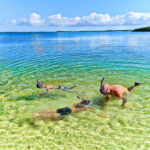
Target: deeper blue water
[{"x": 70, "y": 58}]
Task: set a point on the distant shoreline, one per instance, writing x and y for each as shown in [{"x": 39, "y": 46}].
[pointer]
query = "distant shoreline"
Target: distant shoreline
[
  {"x": 96, "y": 31},
  {"x": 65, "y": 31},
  {"x": 143, "y": 29}
]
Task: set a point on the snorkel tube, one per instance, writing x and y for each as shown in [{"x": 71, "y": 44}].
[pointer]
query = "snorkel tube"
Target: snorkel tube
[
  {"x": 101, "y": 85},
  {"x": 81, "y": 98},
  {"x": 39, "y": 85}
]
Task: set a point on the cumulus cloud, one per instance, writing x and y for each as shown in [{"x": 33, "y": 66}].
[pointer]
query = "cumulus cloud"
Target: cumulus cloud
[
  {"x": 94, "y": 19},
  {"x": 58, "y": 20},
  {"x": 136, "y": 18},
  {"x": 35, "y": 20}
]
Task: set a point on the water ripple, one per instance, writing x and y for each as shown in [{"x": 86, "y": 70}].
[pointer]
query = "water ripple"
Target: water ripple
[{"x": 69, "y": 59}]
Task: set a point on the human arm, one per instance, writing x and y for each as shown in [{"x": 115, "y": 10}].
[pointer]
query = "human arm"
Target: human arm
[{"x": 124, "y": 100}]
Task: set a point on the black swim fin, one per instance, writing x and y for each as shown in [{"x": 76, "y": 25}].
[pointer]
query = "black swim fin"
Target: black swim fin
[{"x": 137, "y": 83}]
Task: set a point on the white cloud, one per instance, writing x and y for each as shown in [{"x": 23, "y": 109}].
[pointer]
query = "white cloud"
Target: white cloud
[
  {"x": 94, "y": 19},
  {"x": 136, "y": 18},
  {"x": 35, "y": 20},
  {"x": 117, "y": 20},
  {"x": 58, "y": 20}
]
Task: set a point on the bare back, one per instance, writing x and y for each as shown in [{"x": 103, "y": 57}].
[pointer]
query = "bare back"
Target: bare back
[{"x": 117, "y": 90}]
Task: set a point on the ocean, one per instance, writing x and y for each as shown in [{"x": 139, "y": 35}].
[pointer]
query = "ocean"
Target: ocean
[{"x": 68, "y": 59}]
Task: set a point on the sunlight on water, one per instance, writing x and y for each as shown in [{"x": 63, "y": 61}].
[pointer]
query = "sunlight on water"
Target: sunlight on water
[{"x": 68, "y": 59}]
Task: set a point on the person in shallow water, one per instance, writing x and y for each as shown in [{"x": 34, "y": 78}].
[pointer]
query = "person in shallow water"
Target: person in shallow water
[
  {"x": 116, "y": 90},
  {"x": 51, "y": 86},
  {"x": 62, "y": 112}
]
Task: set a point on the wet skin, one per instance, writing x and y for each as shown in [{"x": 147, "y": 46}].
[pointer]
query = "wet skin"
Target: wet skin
[
  {"x": 117, "y": 91},
  {"x": 52, "y": 114},
  {"x": 52, "y": 86}
]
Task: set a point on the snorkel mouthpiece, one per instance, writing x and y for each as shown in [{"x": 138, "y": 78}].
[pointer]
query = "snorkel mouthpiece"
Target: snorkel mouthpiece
[{"x": 39, "y": 85}]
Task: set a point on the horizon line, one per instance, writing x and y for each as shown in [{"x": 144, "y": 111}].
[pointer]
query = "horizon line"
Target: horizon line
[{"x": 62, "y": 31}]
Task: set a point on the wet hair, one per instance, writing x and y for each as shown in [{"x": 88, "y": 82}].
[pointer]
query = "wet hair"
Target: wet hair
[{"x": 85, "y": 102}]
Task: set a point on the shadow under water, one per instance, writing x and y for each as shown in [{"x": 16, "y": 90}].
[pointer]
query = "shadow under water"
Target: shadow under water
[
  {"x": 100, "y": 101},
  {"x": 28, "y": 98}
]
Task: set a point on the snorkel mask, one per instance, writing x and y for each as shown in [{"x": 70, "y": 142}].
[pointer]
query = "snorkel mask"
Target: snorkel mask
[
  {"x": 84, "y": 101},
  {"x": 39, "y": 85},
  {"x": 103, "y": 91}
]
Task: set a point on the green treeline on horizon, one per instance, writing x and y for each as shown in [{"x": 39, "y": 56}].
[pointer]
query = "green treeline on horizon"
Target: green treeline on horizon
[{"x": 143, "y": 29}]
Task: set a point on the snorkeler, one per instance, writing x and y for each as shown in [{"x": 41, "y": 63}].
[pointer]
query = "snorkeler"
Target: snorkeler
[
  {"x": 62, "y": 112},
  {"x": 51, "y": 86},
  {"x": 116, "y": 90}
]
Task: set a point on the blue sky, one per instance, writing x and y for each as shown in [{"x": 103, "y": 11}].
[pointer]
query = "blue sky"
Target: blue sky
[{"x": 51, "y": 15}]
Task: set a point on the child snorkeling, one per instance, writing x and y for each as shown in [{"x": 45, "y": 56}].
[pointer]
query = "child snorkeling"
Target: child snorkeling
[
  {"x": 51, "y": 86},
  {"x": 62, "y": 112},
  {"x": 116, "y": 90}
]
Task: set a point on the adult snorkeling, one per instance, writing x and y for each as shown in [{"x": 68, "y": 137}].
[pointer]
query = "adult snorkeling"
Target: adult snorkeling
[
  {"x": 62, "y": 112},
  {"x": 116, "y": 90},
  {"x": 51, "y": 86}
]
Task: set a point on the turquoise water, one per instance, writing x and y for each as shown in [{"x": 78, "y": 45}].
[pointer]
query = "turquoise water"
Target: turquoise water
[{"x": 68, "y": 59}]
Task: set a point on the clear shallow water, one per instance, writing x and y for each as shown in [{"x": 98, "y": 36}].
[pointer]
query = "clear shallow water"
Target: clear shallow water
[{"x": 68, "y": 59}]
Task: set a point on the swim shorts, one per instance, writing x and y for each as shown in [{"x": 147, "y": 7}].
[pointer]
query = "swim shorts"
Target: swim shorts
[{"x": 64, "y": 111}]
